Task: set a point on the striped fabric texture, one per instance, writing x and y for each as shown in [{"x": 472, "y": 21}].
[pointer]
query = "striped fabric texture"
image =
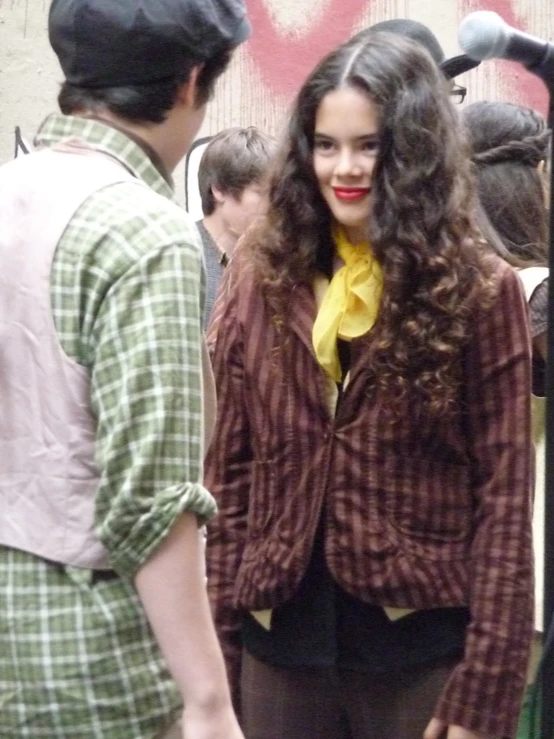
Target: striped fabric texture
[{"x": 421, "y": 513}]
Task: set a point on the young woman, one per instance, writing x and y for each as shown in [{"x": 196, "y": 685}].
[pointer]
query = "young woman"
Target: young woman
[
  {"x": 370, "y": 568},
  {"x": 510, "y": 145}
]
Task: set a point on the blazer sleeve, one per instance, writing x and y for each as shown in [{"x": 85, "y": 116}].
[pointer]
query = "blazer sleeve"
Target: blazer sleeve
[
  {"x": 485, "y": 691},
  {"x": 227, "y": 476}
]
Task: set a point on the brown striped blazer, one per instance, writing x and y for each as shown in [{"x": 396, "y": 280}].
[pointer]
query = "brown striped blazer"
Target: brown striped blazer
[{"x": 418, "y": 514}]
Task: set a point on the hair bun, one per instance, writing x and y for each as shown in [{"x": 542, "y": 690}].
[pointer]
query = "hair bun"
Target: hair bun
[{"x": 531, "y": 151}]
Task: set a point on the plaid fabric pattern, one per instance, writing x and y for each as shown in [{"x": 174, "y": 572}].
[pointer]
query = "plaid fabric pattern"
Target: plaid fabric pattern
[
  {"x": 423, "y": 513},
  {"x": 77, "y": 657}
]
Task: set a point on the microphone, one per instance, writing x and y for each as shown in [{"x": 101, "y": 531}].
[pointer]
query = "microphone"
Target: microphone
[{"x": 485, "y": 35}]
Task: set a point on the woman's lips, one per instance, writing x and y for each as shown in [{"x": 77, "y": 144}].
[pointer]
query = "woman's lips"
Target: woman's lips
[{"x": 351, "y": 193}]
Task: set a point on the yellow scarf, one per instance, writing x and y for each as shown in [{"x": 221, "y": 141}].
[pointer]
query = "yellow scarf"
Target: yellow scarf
[{"x": 351, "y": 303}]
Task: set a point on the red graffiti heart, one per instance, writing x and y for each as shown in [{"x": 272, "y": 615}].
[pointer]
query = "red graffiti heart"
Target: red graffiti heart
[
  {"x": 284, "y": 60},
  {"x": 528, "y": 88}
]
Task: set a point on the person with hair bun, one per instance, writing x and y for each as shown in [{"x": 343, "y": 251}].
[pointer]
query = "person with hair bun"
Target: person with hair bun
[
  {"x": 510, "y": 146},
  {"x": 370, "y": 568}
]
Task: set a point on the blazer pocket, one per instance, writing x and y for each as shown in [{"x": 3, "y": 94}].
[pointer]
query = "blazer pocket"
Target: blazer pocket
[
  {"x": 441, "y": 518},
  {"x": 262, "y": 498}
]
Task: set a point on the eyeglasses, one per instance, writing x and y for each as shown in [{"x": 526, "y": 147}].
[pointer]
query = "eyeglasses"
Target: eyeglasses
[{"x": 458, "y": 93}]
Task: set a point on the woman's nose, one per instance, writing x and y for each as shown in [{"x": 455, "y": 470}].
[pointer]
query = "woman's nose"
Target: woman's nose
[{"x": 346, "y": 164}]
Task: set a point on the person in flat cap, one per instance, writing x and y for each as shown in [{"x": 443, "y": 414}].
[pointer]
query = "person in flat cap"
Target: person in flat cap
[
  {"x": 451, "y": 68},
  {"x": 106, "y": 395}
]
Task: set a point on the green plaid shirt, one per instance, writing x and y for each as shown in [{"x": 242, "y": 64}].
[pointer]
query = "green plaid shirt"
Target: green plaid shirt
[{"x": 77, "y": 657}]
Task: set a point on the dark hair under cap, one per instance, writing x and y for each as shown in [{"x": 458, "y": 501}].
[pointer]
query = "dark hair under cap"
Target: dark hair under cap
[{"x": 116, "y": 43}]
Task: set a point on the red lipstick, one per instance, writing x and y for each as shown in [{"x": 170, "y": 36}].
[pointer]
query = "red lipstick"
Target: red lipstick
[{"x": 351, "y": 193}]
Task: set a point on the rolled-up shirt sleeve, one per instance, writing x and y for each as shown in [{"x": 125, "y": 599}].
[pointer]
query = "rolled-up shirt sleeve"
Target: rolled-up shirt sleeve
[{"x": 147, "y": 396}]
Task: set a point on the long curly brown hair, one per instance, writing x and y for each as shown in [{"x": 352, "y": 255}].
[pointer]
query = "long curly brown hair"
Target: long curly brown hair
[{"x": 421, "y": 226}]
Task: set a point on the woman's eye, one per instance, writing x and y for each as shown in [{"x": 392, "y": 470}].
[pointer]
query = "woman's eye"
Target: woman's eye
[
  {"x": 371, "y": 146},
  {"x": 323, "y": 145}
]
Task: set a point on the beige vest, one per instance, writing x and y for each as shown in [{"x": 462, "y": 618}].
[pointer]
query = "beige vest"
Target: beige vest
[{"x": 48, "y": 476}]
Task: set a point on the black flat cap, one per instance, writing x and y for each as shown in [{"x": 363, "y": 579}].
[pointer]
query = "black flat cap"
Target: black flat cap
[
  {"x": 418, "y": 32},
  {"x": 113, "y": 43}
]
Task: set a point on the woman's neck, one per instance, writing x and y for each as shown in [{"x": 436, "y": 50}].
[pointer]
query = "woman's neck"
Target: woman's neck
[{"x": 355, "y": 234}]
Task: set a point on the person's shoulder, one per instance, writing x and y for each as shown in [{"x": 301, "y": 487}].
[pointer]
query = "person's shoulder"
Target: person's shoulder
[
  {"x": 505, "y": 278},
  {"x": 140, "y": 219},
  {"x": 121, "y": 225},
  {"x": 534, "y": 279},
  {"x": 241, "y": 270},
  {"x": 131, "y": 200},
  {"x": 497, "y": 295},
  {"x": 499, "y": 267},
  {"x": 240, "y": 294},
  {"x": 501, "y": 307}
]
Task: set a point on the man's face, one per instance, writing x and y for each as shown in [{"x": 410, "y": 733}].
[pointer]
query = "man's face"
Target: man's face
[{"x": 238, "y": 212}]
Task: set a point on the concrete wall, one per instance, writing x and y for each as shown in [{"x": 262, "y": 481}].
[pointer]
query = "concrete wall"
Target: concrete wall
[{"x": 289, "y": 37}]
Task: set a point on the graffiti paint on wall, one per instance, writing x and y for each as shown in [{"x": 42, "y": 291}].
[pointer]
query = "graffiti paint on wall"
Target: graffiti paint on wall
[
  {"x": 23, "y": 7},
  {"x": 266, "y": 74},
  {"x": 22, "y": 146},
  {"x": 290, "y": 36},
  {"x": 284, "y": 58},
  {"x": 283, "y": 55}
]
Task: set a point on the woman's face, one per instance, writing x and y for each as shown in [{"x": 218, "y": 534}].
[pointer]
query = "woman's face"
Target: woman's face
[{"x": 345, "y": 151}]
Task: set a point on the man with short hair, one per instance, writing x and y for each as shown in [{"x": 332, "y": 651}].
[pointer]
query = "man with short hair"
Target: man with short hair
[
  {"x": 232, "y": 179},
  {"x": 105, "y": 628}
]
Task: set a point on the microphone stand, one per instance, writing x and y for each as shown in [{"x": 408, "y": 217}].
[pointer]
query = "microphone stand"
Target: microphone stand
[{"x": 545, "y": 70}]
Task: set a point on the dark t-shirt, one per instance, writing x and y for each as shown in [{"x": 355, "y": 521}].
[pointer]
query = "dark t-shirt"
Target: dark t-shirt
[
  {"x": 323, "y": 626},
  {"x": 214, "y": 271}
]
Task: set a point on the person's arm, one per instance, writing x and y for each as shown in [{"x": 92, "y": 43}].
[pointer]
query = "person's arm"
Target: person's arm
[
  {"x": 484, "y": 693},
  {"x": 541, "y": 345},
  {"x": 171, "y": 585},
  {"x": 538, "y": 313},
  {"x": 147, "y": 397},
  {"x": 228, "y": 472}
]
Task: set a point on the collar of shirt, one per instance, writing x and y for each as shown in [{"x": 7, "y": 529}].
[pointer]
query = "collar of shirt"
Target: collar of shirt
[
  {"x": 137, "y": 156},
  {"x": 209, "y": 241}
]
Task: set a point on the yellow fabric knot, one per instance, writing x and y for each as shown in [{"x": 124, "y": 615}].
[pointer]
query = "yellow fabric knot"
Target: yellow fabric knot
[{"x": 351, "y": 303}]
